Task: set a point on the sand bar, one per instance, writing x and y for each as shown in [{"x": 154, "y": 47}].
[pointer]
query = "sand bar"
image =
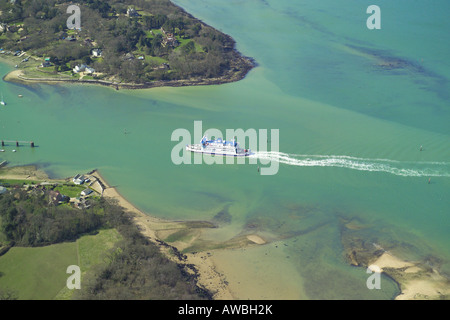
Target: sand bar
[
  {"x": 150, "y": 226},
  {"x": 416, "y": 280}
]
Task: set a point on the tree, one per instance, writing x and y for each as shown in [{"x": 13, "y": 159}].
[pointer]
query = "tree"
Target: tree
[
  {"x": 189, "y": 47},
  {"x": 87, "y": 60},
  {"x": 157, "y": 40},
  {"x": 8, "y": 294}
]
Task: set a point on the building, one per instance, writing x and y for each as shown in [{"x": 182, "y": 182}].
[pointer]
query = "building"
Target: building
[
  {"x": 78, "y": 179},
  {"x": 89, "y": 70},
  {"x": 46, "y": 64},
  {"x": 82, "y": 203},
  {"x": 2, "y": 190},
  {"x": 97, "y": 53},
  {"x": 170, "y": 40},
  {"x": 131, "y": 12},
  {"x": 71, "y": 38},
  {"x": 129, "y": 56},
  {"x": 164, "y": 66},
  {"x": 79, "y": 68},
  {"x": 54, "y": 197},
  {"x": 86, "y": 192}
]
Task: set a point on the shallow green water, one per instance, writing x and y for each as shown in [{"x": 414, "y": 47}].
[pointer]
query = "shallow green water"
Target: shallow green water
[{"x": 350, "y": 134}]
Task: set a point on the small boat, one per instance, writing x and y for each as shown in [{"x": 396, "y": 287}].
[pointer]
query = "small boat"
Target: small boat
[
  {"x": 1, "y": 150},
  {"x": 14, "y": 150},
  {"x": 2, "y": 102}
]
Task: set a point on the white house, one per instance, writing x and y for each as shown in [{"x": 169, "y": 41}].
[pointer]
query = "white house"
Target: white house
[
  {"x": 78, "y": 179},
  {"x": 89, "y": 70},
  {"x": 97, "y": 52},
  {"x": 79, "y": 68},
  {"x": 86, "y": 192},
  {"x": 131, "y": 12}
]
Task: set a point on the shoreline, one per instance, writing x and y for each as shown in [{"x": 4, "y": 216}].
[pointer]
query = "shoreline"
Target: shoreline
[
  {"x": 19, "y": 76},
  {"x": 198, "y": 265},
  {"x": 203, "y": 269},
  {"x": 416, "y": 280},
  {"x": 240, "y": 66}
]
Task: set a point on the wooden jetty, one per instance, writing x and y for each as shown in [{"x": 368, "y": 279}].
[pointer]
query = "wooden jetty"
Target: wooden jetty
[{"x": 17, "y": 143}]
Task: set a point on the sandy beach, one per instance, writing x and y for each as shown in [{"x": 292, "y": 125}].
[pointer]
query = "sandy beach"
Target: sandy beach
[
  {"x": 24, "y": 173},
  {"x": 20, "y": 76},
  {"x": 150, "y": 226},
  {"x": 156, "y": 229},
  {"x": 204, "y": 263},
  {"x": 416, "y": 280}
]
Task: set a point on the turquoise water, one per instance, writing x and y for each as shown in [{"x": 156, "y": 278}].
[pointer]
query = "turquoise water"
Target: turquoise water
[{"x": 350, "y": 134}]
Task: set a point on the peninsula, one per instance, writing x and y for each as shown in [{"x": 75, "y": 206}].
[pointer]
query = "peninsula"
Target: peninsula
[{"x": 130, "y": 44}]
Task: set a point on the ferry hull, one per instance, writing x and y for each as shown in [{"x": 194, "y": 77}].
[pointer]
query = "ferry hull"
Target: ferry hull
[{"x": 218, "y": 153}]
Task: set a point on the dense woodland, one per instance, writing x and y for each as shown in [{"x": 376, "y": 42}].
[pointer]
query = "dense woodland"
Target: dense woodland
[
  {"x": 28, "y": 219},
  {"x": 136, "y": 269},
  {"x": 39, "y": 27}
]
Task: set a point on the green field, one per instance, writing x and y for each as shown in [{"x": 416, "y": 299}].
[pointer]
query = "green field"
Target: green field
[
  {"x": 16, "y": 182},
  {"x": 40, "y": 273},
  {"x": 71, "y": 191}
]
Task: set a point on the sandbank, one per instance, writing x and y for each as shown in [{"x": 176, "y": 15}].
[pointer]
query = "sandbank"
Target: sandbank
[
  {"x": 150, "y": 226},
  {"x": 416, "y": 280},
  {"x": 155, "y": 229},
  {"x": 24, "y": 173}
]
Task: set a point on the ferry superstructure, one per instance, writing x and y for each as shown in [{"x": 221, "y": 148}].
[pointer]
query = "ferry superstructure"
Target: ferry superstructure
[{"x": 219, "y": 147}]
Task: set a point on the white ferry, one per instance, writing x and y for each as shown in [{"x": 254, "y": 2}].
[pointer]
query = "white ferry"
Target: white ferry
[{"x": 219, "y": 147}]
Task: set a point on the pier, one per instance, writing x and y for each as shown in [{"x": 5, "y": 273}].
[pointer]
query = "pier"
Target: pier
[{"x": 17, "y": 143}]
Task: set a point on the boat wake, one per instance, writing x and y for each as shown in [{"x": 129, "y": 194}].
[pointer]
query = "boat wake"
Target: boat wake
[{"x": 399, "y": 168}]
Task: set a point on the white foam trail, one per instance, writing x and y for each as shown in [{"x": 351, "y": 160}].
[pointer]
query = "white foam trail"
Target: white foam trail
[{"x": 399, "y": 168}]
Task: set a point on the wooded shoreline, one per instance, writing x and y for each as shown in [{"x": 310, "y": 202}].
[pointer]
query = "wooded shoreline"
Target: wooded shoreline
[
  {"x": 17, "y": 76},
  {"x": 132, "y": 45}
]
